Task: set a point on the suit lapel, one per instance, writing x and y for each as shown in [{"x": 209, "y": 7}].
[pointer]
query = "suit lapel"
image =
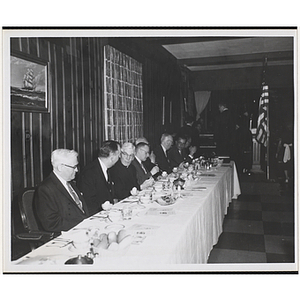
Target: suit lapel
[
  {"x": 101, "y": 174},
  {"x": 60, "y": 186},
  {"x": 136, "y": 163},
  {"x": 100, "y": 171},
  {"x": 62, "y": 189},
  {"x": 165, "y": 154},
  {"x": 80, "y": 198}
]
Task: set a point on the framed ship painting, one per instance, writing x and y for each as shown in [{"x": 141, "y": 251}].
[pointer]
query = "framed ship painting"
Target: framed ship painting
[{"x": 28, "y": 83}]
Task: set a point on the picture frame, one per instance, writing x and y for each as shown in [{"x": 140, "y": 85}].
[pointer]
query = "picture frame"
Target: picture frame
[{"x": 29, "y": 83}]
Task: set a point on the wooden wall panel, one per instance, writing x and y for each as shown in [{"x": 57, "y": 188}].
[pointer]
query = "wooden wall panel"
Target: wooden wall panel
[
  {"x": 75, "y": 109},
  {"x": 158, "y": 82},
  {"x": 75, "y": 120}
]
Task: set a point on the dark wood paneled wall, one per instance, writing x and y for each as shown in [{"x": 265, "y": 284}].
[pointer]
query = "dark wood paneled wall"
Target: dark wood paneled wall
[
  {"x": 161, "y": 82},
  {"x": 75, "y": 120}
]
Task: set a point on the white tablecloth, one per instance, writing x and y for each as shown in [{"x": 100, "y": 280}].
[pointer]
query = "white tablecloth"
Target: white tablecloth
[{"x": 182, "y": 233}]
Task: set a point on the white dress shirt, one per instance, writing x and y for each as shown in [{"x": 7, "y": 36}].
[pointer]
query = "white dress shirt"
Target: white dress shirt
[{"x": 104, "y": 169}]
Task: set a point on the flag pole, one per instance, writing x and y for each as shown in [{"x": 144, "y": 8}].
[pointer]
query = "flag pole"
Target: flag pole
[
  {"x": 268, "y": 120},
  {"x": 268, "y": 142}
]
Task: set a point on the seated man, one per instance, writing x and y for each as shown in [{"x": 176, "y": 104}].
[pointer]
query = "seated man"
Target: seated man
[
  {"x": 161, "y": 153},
  {"x": 58, "y": 203},
  {"x": 94, "y": 181},
  {"x": 123, "y": 173},
  {"x": 149, "y": 163},
  {"x": 178, "y": 154},
  {"x": 141, "y": 155}
]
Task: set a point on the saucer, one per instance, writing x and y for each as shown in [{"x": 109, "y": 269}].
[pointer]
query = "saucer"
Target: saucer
[{"x": 114, "y": 227}]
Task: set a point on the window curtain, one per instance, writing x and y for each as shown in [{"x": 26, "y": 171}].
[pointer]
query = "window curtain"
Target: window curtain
[
  {"x": 201, "y": 100},
  {"x": 123, "y": 96}
]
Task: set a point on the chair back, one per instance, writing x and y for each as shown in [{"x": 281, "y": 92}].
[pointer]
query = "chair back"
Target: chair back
[{"x": 26, "y": 210}]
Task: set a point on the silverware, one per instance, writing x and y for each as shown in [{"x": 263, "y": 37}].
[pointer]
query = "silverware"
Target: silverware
[
  {"x": 58, "y": 244},
  {"x": 98, "y": 217}
]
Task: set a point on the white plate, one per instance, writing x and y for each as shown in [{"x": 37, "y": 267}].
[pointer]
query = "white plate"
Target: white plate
[
  {"x": 164, "y": 203},
  {"x": 114, "y": 227}
]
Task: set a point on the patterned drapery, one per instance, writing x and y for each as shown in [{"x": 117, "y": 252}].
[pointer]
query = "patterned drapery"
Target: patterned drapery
[{"x": 123, "y": 96}]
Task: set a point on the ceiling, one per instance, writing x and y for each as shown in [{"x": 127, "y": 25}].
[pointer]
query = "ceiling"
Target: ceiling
[
  {"x": 230, "y": 62},
  {"x": 202, "y": 54},
  {"x": 220, "y": 62}
]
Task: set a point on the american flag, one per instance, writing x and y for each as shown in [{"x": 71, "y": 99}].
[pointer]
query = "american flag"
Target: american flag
[{"x": 262, "y": 122}]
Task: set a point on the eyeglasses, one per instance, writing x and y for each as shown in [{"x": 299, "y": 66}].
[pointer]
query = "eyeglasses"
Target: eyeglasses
[
  {"x": 72, "y": 167},
  {"x": 129, "y": 156}
]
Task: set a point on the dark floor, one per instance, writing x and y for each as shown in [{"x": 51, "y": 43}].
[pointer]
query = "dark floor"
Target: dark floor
[{"x": 259, "y": 225}]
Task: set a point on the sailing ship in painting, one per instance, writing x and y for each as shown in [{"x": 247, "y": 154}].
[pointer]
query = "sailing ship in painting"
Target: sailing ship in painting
[
  {"x": 29, "y": 80},
  {"x": 29, "y": 94}
]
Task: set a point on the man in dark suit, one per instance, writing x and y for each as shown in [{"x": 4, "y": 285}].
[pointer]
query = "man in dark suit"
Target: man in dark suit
[
  {"x": 94, "y": 181},
  {"x": 123, "y": 174},
  {"x": 161, "y": 153},
  {"x": 149, "y": 163},
  {"x": 59, "y": 206},
  {"x": 178, "y": 154},
  {"x": 224, "y": 131},
  {"x": 143, "y": 174}
]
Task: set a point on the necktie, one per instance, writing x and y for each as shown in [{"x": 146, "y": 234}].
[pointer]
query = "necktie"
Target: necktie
[{"x": 75, "y": 196}]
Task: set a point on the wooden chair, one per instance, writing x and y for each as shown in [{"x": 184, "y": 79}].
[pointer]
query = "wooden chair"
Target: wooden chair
[{"x": 33, "y": 233}]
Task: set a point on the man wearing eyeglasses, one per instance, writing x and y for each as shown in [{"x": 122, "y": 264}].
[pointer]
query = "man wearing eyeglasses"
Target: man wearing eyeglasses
[
  {"x": 94, "y": 180},
  {"x": 123, "y": 173},
  {"x": 144, "y": 176},
  {"x": 58, "y": 203},
  {"x": 178, "y": 154}
]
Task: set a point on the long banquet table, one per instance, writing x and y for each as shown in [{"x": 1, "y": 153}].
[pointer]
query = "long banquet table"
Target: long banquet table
[{"x": 162, "y": 236}]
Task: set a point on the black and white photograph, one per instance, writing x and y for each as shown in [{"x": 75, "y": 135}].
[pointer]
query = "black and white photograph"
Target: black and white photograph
[{"x": 153, "y": 150}]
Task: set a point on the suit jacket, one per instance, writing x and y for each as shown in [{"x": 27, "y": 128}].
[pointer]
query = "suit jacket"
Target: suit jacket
[
  {"x": 224, "y": 133},
  {"x": 124, "y": 179},
  {"x": 94, "y": 186},
  {"x": 162, "y": 160},
  {"x": 55, "y": 208},
  {"x": 176, "y": 158},
  {"x": 140, "y": 173},
  {"x": 148, "y": 164}
]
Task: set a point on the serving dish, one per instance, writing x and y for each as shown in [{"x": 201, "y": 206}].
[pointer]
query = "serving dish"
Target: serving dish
[{"x": 166, "y": 200}]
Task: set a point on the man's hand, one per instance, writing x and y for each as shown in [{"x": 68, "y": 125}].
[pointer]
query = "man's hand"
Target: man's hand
[
  {"x": 152, "y": 157},
  {"x": 154, "y": 170},
  {"x": 147, "y": 183},
  {"x": 192, "y": 150}
]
